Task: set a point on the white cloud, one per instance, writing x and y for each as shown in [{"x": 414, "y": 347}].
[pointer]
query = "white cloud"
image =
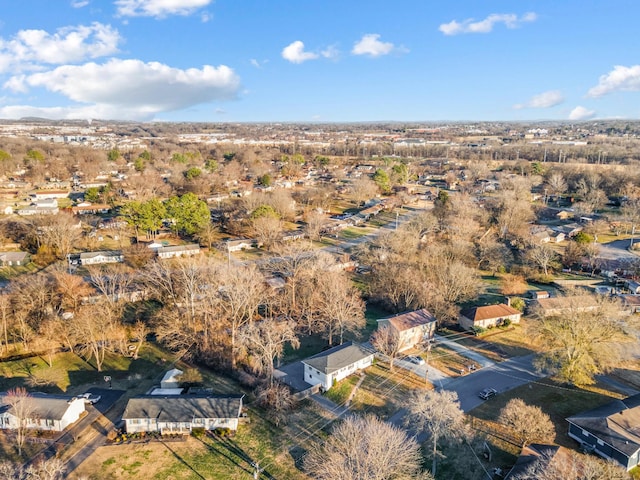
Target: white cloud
[
  {"x": 295, "y": 53},
  {"x": 371, "y": 45},
  {"x": 206, "y": 17},
  {"x": 67, "y": 45},
  {"x": 330, "y": 52},
  {"x": 158, "y": 8},
  {"x": 79, "y": 3},
  {"x": 581, "y": 113},
  {"x": 132, "y": 89},
  {"x": 621, "y": 78},
  {"x": 510, "y": 20},
  {"x": 543, "y": 100}
]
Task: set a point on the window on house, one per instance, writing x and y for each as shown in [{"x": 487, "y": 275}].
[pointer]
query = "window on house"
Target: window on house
[
  {"x": 50, "y": 423},
  {"x": 585, "y": 433},
  {"x": 600, "y": 442}
]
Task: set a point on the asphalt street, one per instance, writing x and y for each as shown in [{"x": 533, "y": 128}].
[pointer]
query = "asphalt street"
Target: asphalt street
[{"x": 502, "y": 376}]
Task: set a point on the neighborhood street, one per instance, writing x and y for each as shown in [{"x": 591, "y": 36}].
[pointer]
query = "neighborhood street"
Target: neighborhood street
[{"x": 502, "y": 376}]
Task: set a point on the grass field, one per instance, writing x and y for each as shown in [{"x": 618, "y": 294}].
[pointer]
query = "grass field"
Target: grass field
[{"x": 556, "y": 400}]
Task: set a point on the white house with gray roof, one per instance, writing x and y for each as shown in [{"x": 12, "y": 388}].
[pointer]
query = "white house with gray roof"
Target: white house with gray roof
[
  {"x": 331, "y": 366},
  {"x": 174, "y": 251},
  {"x": 46, "y": 412},
  {"x": 182, "y": 413}
]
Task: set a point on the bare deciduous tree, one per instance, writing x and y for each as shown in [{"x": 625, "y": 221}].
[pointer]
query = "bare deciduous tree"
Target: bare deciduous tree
[
  {"x": 366, "y": 448},
  {"x": 588, "y": 337},
  {"x": 387, "y": 341},
  {"x": 59, "y": 232},
  {"x": 22, "y": 408},
  {"x": 277, "y": 400},
  {"x": 341, "y": 306},
  {"x": 264, "y": 342},
  {"x": 437, "y": 413},
  {"x": 528, "y": 422},
  {"x": 363, "y": 189},
  {"x": 571, "y": 466},
  {"x": 543, "y": 256},
  {"x": 243, "y": 290}
]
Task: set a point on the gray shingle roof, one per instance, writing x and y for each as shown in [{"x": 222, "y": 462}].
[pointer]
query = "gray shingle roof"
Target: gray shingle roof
[
  {"x": 616, "y": 423},
  {"x": 338, "y": 357},
  {"x": 183, "y": 408},
  {"x": 46, "y": 407}
]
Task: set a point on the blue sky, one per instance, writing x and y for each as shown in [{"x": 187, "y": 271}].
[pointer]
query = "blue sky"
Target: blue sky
[{"x": 319, "y": 60}]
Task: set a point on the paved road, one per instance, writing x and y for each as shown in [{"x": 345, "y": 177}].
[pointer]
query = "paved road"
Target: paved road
[{"x": 502, "y": 376}]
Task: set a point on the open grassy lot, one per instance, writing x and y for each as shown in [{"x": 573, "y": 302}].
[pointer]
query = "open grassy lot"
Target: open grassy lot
[
  {"x": 556, "y": 400},
  {"x": 447, "y": 360},
  {"x": 71, "y": 372},
  {"x": 193, "y": 459},
  {"x": 384, "y": 392}
]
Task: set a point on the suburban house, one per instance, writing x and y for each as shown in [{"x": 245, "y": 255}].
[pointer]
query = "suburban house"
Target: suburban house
[
  {"x": 612, "y": 430},
  {"x": 14, "y": 259},
  {"x": 175, "y": 251},
  {"x": 412, "y": 327},
  {"x": 632, "y": 286},
  {"x": 182, "y": 413},
  {"x": 86, "y": 208},
  {"x": 331, "y": 366},
  {"x": 239, "y": 244},
  {"x": 45, "y": 194},
  {"x": 38, "y": 210},
  {"x": 547, "y": 307},
  {"x": 630, "y": 303},
  {"x": 488, "y": 316},
  {"x": 538, "y": 294},
  {"x": 95, "y": 258},
  {"x": 47, "y": 412},
  {"x": 541, "y": 456}
]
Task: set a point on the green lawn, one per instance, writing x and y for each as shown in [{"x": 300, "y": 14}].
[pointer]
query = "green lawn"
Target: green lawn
[
  {"x": 70, "y": 370},
  {"x": 556, "y": 400},
  {"x": 340, "y": 392}
]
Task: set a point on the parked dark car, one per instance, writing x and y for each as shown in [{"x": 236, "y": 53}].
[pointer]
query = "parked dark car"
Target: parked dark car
[{"x": 487, "y": 393}]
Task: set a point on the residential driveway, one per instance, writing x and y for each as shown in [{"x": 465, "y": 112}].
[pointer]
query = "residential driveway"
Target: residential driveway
[
  {"x": 292, "y": 375},
  {"x": 435, "y": 376},
  {"x": 502, "y": 376},
  {"x": 481, "y": 360},
  {"x": 87, "y": 429}
]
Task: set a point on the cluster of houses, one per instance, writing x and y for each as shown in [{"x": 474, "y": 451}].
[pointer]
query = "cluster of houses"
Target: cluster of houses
[
  {"x": 610, "y": 431},
  {"x": 116, "y": 256}
]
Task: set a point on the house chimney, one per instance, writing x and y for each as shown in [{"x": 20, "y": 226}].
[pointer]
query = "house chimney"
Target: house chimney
[{"x": 507, "y": 301}]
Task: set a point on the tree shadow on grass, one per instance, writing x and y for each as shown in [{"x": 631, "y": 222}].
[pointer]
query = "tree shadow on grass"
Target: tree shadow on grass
[
  {"x": 181, "y": 460},
  {"x": 232, "y": 452}
]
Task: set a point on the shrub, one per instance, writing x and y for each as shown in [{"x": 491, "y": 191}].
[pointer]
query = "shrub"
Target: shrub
[
  {"x": 222, "y": 432},
  {"x": 506, "y": 322},
  {"x": 197, "y": 432},
  {"x": 479, "y": 330}
]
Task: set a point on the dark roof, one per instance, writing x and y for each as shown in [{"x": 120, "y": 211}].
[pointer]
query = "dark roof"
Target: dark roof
[
  {"x": 183, "y": 408},
  {"x": 616, "y": 423},
  {"x": 46, "y": 407},
  {"x": 338, "y": 357},
  {"x": 489, "y": 311},
  {"x": 409, "y": 320},
  {"x": 531, "y": 454}
]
